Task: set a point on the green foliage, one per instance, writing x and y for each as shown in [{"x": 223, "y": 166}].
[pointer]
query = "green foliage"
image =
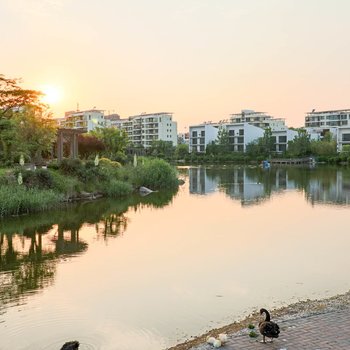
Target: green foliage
[
  {"x": 40, "y": 178},
  {"x": 253, "y": 334},
  {"x": 13, "y": 96},
  {"x": 181, "y": 151},
  {"x": 300, "y": 146},
  {"x": 155, "y": 174},
  {"x": 107, "y": 163},
  {"x": 28, "y": 130},
  {"x": 114, "y": 140},
  {"x": 327, "y": 147},
  {"x": 16, "y": 200},
  {"x": 90, "y": 145},
  {"x": 251, "y": 326},
  {"x": 223, "y": 140},
  {"x": 263, "y": 147},
  {"x": 67, "y": 185},
  {"x": 116, "y": 188},
  {"x": 162, "y": 149},
  {"x": 71, "y": 166}
]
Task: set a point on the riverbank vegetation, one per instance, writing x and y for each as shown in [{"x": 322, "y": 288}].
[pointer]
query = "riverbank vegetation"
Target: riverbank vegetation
[{"x": 25, "y": 191}]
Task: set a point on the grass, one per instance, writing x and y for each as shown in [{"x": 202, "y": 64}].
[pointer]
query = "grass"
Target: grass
[{"x": 16, "y": 200}]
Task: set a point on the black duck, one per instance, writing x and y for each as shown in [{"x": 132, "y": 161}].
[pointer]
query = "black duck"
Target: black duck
[
  {"x": 71, "y": 345},
  {"x": 268, "y": 328}
]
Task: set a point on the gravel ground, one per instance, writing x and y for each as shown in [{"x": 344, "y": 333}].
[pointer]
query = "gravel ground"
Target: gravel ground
[{"x": 290, "y": 312}]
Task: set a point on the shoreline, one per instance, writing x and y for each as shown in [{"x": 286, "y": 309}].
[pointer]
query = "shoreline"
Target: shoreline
[{"x": 296, "y": 310}]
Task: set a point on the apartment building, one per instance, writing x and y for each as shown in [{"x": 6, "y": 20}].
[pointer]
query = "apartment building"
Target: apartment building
[
  {"x": 282, "y": 137},
  {"x": 201, "y": 135},
  {"x": 243, "y": 128},
  {"x": 343, "y": 137},
  {"x": 259, "y": 119},
  {"x": 145, "y": 128},
  {"x": 89, "y": 120},
  {"x": 327, "y": 119}
]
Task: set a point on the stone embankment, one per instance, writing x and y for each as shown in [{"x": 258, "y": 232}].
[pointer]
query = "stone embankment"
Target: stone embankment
[{"x": 310, "y": 325}]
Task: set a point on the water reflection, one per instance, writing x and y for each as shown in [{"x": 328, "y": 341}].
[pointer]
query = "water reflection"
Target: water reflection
[
  {"x": 253, "y": 185},
  {"x": 32, "y": 246}
]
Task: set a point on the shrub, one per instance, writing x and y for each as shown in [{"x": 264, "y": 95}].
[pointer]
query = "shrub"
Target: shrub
[
  {"x": 53, "y": 165},
  {"x": 39, "y": 178},
  {"x": 66, "y": 185},
  {"x": 71, "y": 166},
  {"x": 155, "y": 174},
  {"x": 116, "y": 188}
]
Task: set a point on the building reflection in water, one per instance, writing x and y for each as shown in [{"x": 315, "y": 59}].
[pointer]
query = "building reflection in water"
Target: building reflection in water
[{"x": 253, "y": 185}]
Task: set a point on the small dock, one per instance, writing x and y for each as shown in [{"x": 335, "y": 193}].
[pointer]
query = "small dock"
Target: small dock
[{"x": 292, "y": 161}]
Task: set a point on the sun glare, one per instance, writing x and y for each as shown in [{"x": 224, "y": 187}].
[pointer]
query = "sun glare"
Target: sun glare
[{"x": 52, "y": 94}]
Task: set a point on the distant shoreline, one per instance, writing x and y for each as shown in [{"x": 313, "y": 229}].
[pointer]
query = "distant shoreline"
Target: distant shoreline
[{"x": 293, "y": 311}]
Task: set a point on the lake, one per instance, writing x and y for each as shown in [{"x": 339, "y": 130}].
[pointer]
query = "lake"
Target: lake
[{"x": 149, "y": 272}]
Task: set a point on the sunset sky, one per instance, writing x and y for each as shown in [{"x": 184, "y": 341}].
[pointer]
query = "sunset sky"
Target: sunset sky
[{"x": 200, "y": 59}]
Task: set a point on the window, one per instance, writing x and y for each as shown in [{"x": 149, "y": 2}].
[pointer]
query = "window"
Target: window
[
  {"x": 194, "y": 141},
  {"x": 202, "y": 133},
  {"x": 282, "y": 139},
  {"x": 346, "y": 137},
  {"x": 201, "y": 148},
  {"x": 194, "y": 133},
  {"x": 282, "y": 148},
  {"x": 240, "y": 148},
  {"x": 240, "y": 139},
  {"x": 241, "y": 132},
  {"x": 231, "y": 133}
]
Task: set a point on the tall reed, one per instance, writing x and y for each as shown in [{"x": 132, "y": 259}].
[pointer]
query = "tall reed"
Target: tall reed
[{"x": 16, "y": 200}]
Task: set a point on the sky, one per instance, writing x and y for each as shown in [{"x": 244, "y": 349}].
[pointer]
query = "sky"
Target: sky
[{"x": 199, "y": 59}]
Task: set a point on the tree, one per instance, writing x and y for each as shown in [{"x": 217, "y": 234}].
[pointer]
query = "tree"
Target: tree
[
  {"x": 181, "y": 151},
  {"x": 114, "y": 140},
  {"x": 13, "y": 97},
  {"x": 263, "y": 146},
  {"x": 35, "y": 132},
  {"x": 223, "y": 140},
  {"x": 327, "y": 147},
  {"x": 300, "y": 146},
  {"x": 161, "y": 149},
  {"x": 89, "y": 145}
]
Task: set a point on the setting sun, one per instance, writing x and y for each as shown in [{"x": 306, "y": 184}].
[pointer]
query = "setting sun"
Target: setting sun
[{"x": 52, "y": 94}]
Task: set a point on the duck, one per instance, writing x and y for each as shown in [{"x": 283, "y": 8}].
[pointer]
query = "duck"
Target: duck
[
  {"x": 268, "y": 328},
  {"x": 71, "y": 345}
]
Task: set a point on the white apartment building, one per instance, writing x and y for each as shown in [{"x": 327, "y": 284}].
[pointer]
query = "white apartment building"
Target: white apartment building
[
  {"x": 145, "y": 128},
  {"x": 327, "y": 119},
  {"x": 259, "y": 119},
  {"x": 89, "y": 120},
  {"x": 241, "y": 134},
  {"x": 243, "y": 128},
  {"x": 282, "y": 137},
  {"x": 201, "y": 135},
  {"x": 343, "y": 137}
]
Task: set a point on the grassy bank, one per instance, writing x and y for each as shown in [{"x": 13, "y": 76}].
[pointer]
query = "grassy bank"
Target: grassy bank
[{"x": 26, "y": 191}]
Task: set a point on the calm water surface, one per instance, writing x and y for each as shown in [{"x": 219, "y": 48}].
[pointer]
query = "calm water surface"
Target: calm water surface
[{"x": 147, "y": 273}]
